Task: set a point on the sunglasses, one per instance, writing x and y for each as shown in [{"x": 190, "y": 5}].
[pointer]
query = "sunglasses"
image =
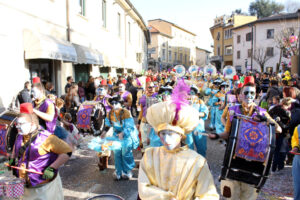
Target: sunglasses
[{"x": 247, "y": 92}]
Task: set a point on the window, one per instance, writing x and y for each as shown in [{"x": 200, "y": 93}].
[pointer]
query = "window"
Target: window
[
  {"x": 249, "y": 36},
  {"x": 104, "y": 13},
  {"x": 218, "y": 36},
  {"x": 163, "y": 54},
  {"x": 238, "y": 54},
  {"x": 238, "y": 39},
  {"x": 228, "y": 34},
  {"x": 81, "y": 7},
  {"x": 228, "y": 50},
  {"x": 181, "y": 57},
  {"x": 270, "y": 51},
  {"x": 219, "y": 51},
  {"x": 129, "y": 32},
  {"x": 270, "y": 33},
  {"x": 170, "y": 55},
  {"x": 185, "y": 58},
  {"x": 175, "y": 56},
  {"x": 249, "y": 53},
  {"x": 119, "y": 25}
]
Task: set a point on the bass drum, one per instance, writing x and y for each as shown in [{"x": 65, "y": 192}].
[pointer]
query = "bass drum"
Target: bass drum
[
  {"x": 91, "y": 117},
  {"x": 8, "y": 131},
  {"x": 249, "y": 152}
]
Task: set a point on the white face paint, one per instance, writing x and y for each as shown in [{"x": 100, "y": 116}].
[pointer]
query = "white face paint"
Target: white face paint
[
  {"x": 24, "y": 127},
  {"x": 249, "y": 94},
  {"x": 101, "y": 91},
  {"x": 117, "y": 106},
  {"x": 36, "y": 93},
  {"x": 121, "y": 87},
  {"x": 170, "y": 139}
]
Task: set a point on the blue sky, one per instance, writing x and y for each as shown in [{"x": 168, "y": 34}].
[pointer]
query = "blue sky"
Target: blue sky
[{"x": 194, "y": 15}]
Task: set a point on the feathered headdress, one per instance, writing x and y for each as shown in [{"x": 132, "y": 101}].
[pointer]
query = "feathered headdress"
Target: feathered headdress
[{"x": 179, "y": 97}]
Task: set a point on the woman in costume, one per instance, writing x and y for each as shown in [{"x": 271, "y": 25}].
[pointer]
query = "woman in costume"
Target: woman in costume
[
  {"x": 103, "y": 97},
  {"x": 173, "y": 171},
  {"x": 124, "y": 139},
  {"x": 195, "y": 136},
  {"x": 44, "y": 108},
  {"x": 212, "y": 103},
  {"x": 220, "y": 104}
]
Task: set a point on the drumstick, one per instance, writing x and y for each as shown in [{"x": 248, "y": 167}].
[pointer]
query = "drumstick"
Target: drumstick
[{"x": 20, "y": 168}]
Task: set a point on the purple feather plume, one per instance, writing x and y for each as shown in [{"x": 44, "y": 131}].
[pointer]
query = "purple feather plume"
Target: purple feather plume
[
  {"x": 179, "y": 97},
  {"x": 138, "y": 82}
]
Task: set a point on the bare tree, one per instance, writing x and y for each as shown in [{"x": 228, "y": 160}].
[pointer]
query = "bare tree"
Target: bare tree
[{"x": 261, "y": 57}]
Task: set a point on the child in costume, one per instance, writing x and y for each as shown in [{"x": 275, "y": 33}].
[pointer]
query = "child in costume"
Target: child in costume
[{"x": 173, "y": 171}]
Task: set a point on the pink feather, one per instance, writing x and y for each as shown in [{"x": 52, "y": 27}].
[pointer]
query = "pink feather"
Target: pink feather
[
  {"x": 138, "y": 82},
  {"x": 179, "y": 97}
]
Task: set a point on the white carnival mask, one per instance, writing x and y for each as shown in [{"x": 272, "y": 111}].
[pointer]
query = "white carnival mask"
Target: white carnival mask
[
  {"x": 249, "y": 94},
  {"x": 170, "y": 139},
  {"x": 121, "y": 87},
  {"x": 24, "y": 127},
  {"x": 101, "y": 91},
  {"x": 36, "y": 93}
]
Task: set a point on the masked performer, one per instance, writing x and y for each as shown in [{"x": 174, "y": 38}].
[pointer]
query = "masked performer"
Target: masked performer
[
  {"x": 173, "y": 171},
  {"x": 212, "y": 103},
  {"x": 220, "y": 104},
  {"x": 146, "y": 100},
  {"x": 124, "y": 132},
  {"x": 195, "y": 137},
  {"x": 44, "y": 108},
  {"x": 103, "y": 97},
  {"x": 126, "y": 96},
  {"x": 40, "y": 151},
  {"x": 237, "y": 190}
]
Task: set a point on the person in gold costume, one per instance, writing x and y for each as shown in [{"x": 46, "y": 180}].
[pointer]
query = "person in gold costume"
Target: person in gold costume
[{"x": 173, "y": 171}]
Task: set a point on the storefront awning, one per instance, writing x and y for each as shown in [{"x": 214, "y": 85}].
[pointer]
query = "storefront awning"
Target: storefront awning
[
  {"x": 38, "y": 46},
  {"x": 86, "y": 55}
]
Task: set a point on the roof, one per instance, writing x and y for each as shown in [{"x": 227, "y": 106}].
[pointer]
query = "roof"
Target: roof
[
  {"x": 173, "y": 25},
  {"x": 278, "y": 17},
  {"x": 152, "y": 29},
  {"x": 203, "y": 50}
]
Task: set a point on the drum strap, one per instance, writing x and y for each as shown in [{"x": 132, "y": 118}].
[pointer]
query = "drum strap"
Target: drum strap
[{"x": 24, "y": 147}]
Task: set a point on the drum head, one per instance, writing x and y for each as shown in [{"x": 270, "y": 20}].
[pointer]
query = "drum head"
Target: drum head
[
  {"x": 99, "y": 119},
  {"x": 106, "y": 197}
]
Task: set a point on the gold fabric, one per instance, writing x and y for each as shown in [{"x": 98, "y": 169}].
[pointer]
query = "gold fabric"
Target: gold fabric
[
  {"x": 55, "y": 145},
  {"x": 181, "y": 174},
  {"x": 117, "y": 113},
  {"x": 164, "y": 113}
]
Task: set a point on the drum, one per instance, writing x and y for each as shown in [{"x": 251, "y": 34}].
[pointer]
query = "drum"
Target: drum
[
  {"x": 12, "y": 188},
  {"x": 8, "y": 131},
  {"x": 106, "y": 197},
  {"x": 249, "y": 152},
  {"x": 91, "y": 117}
]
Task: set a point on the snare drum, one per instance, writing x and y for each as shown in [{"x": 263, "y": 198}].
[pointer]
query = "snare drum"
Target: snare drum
[
  {"x": 8, "y": 131},
  {"x": 12, "y": 188},
  {"x": 91, "y": 117},
  {"x": 249, "y": 152}
]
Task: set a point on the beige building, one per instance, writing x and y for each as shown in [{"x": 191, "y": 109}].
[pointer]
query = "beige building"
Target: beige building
[
  {"x": 202, "y": 57},
  {"x": 54, "y": 39},
  {"x": 170, "y": 45}
]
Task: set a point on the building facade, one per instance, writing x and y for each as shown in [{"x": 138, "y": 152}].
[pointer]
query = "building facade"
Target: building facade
[
  {"x": 202, "y": 57},
  {"x": 250, "y": 52},
  {"x": 222, "y": 36},
  {"x": 170, "y": 45},
  {"x": 55, "y": 39}
]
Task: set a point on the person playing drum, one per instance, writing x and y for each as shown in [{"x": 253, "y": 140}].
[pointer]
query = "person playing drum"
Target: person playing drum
[
  {"x": 237, "y": 190},
  {"x": 173, "y": 171},
  {"x": 39, "y": 151},
  {"x": 44, "y": 108}
]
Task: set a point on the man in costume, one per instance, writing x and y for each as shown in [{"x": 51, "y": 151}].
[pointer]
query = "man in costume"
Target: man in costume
[
  {"x": 195, "y": 137},
  {"x": 38, "y": 150},
  {"x": 237, "y": 190},
  {"x": 173, "y": 171},
  {"x": 126, "y": 134},
  {"x": 144, "y": 102},
  {"x": 44, "y": 108},
  {"x": 126, "y": 96}
]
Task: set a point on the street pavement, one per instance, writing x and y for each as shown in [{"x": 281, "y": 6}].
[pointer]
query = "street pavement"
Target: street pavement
[{"x": 82, "y": 179}]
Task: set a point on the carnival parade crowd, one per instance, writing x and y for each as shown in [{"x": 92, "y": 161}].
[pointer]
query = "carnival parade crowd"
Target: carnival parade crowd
[{"x": 163, "y": 115}]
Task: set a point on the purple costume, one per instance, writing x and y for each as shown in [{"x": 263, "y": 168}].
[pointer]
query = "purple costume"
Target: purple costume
[
  {"x": 143, "y": 102},
  {"x": 236, "y": 109},
  {"x": 104, "y": 102},
  {"x": 37, "y": 162},
  {"x": 49, "y": 126}
]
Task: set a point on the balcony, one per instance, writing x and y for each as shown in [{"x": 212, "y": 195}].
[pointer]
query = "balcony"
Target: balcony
[{"x": 216, "y": 58}]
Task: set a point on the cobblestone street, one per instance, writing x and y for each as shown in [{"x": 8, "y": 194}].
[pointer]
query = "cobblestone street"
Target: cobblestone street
[{"x": 82, "y": 179}]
